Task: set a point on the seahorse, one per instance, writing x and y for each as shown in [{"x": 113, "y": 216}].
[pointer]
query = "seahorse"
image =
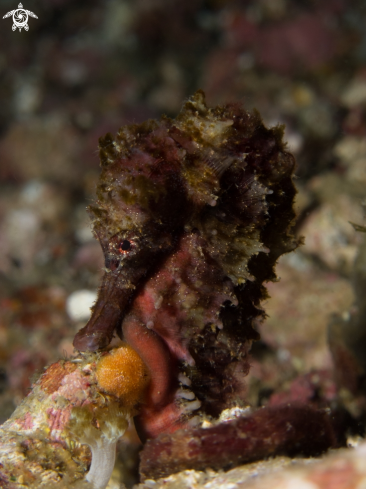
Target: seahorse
[{"x": 192, "y": 214}]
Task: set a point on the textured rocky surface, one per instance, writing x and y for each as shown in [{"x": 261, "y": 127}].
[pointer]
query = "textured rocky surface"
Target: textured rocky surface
[
  {"x": 342, "y": 468},
  {"x": 35, "y": 446},
  {"x": 64, "y": 434}
]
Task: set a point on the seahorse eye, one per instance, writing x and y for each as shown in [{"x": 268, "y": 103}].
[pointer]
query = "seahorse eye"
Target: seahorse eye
[{"x": 125, "y": 245}]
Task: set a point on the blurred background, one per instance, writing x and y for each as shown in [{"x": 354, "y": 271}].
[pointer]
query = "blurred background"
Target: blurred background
[{"x": 85, "y": 68}]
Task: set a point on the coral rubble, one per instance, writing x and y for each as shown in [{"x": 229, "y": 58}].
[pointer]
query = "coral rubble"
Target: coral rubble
[
  {"x": 70, "y": 407},
  {"x": 339, "y": 469}
]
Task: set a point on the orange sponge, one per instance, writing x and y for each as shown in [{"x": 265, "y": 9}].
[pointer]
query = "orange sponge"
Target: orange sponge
[{"x": 123, "y": 374}]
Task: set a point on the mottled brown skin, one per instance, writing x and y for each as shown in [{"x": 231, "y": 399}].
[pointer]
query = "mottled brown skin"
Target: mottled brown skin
[
  {"x": 203, "y": 206},
  {"x": 114, "y": 297},
  {"x": 282, "y": 430}
]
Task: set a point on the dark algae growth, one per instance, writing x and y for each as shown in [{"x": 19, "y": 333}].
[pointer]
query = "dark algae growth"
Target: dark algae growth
[{"x": 192, "y": 215}]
